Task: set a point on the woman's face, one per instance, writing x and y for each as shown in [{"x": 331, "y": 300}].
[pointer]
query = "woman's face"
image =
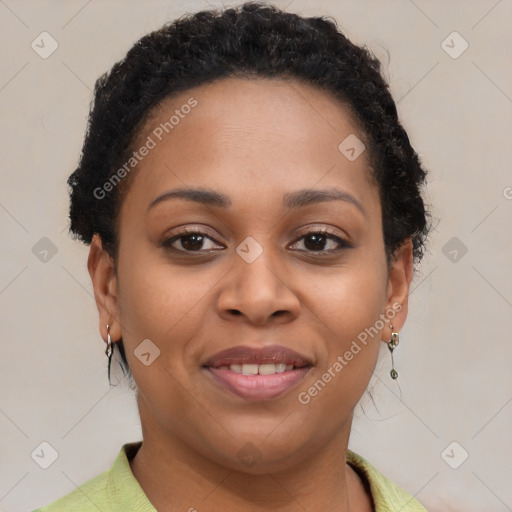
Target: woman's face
[{"x": 259, "y": 275}]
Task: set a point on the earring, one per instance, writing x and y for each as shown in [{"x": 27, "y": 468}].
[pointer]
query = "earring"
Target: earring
[
  {"x": 109, "y": 350},
  {"x": 392, "y": 344}
]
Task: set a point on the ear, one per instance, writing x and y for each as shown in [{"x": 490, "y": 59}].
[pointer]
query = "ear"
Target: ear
[
  {"x": 104, "y": 281},
  {"x": 399, "y": 281}
]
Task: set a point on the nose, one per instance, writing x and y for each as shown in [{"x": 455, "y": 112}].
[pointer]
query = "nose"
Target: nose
[{"x": 258, "y": 292}]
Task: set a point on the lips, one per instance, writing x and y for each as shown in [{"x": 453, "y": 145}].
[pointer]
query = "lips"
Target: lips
[{"x": 263, "y": 373}]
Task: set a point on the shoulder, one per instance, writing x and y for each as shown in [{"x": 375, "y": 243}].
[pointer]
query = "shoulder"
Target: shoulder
[
  {"x": 113, "y": 490},
  {"x": 387, "y": 496}
]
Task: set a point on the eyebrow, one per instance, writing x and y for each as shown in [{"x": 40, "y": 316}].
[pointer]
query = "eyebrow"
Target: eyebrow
[{"x": 291, "y": 200}]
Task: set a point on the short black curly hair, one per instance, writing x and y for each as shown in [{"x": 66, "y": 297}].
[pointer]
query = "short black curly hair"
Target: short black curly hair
[{"x": 251, "y": 40}]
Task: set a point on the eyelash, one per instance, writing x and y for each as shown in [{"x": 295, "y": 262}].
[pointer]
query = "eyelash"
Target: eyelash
[{"x": 343, "y": 244}]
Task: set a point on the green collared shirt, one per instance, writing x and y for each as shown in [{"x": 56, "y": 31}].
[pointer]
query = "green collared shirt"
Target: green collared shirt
[{"x": 117, "y": 489}]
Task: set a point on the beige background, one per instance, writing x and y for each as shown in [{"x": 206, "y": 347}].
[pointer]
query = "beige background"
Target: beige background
[{"x": 455, "y": 354}]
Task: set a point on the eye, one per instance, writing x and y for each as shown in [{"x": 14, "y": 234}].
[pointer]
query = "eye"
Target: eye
[
  {"x": 316, "y": 241},
  {"x": 190, "y": 240}
]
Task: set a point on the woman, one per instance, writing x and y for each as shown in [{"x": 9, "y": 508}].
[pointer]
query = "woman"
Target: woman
[{"x": 253, "y": 209}]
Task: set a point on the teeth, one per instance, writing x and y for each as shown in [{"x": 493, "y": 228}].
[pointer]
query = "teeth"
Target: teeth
[
  {"x": 250, "y": 369},
  {"x": 267, "y": 369},
  {"x": 262, "y": 369}
]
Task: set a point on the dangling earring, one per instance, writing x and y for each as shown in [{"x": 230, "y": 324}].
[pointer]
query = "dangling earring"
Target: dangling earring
[
  {"x": 392, "y": 344},
  {"x": 109, "y": 350}
]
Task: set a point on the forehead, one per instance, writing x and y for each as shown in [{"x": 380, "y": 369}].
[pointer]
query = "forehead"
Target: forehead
[{"x": 258, "y": 135}]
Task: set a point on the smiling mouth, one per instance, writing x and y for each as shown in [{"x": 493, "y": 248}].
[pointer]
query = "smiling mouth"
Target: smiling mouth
[{"x": 262, "y": 372}]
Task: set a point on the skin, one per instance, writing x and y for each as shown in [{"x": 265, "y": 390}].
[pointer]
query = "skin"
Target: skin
[{"x": 253, "y": 140}]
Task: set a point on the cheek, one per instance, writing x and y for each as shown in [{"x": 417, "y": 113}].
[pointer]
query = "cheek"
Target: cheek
[
  {"x": 162, "y": 303},
  {"x": 348, "y": 307},
  {"x": 350, "y": 298}
]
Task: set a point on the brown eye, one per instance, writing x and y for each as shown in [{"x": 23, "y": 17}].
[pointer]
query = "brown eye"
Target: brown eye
[
  {"x": 316, "y": 241},
  {"x": 190, "y": 241}
]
